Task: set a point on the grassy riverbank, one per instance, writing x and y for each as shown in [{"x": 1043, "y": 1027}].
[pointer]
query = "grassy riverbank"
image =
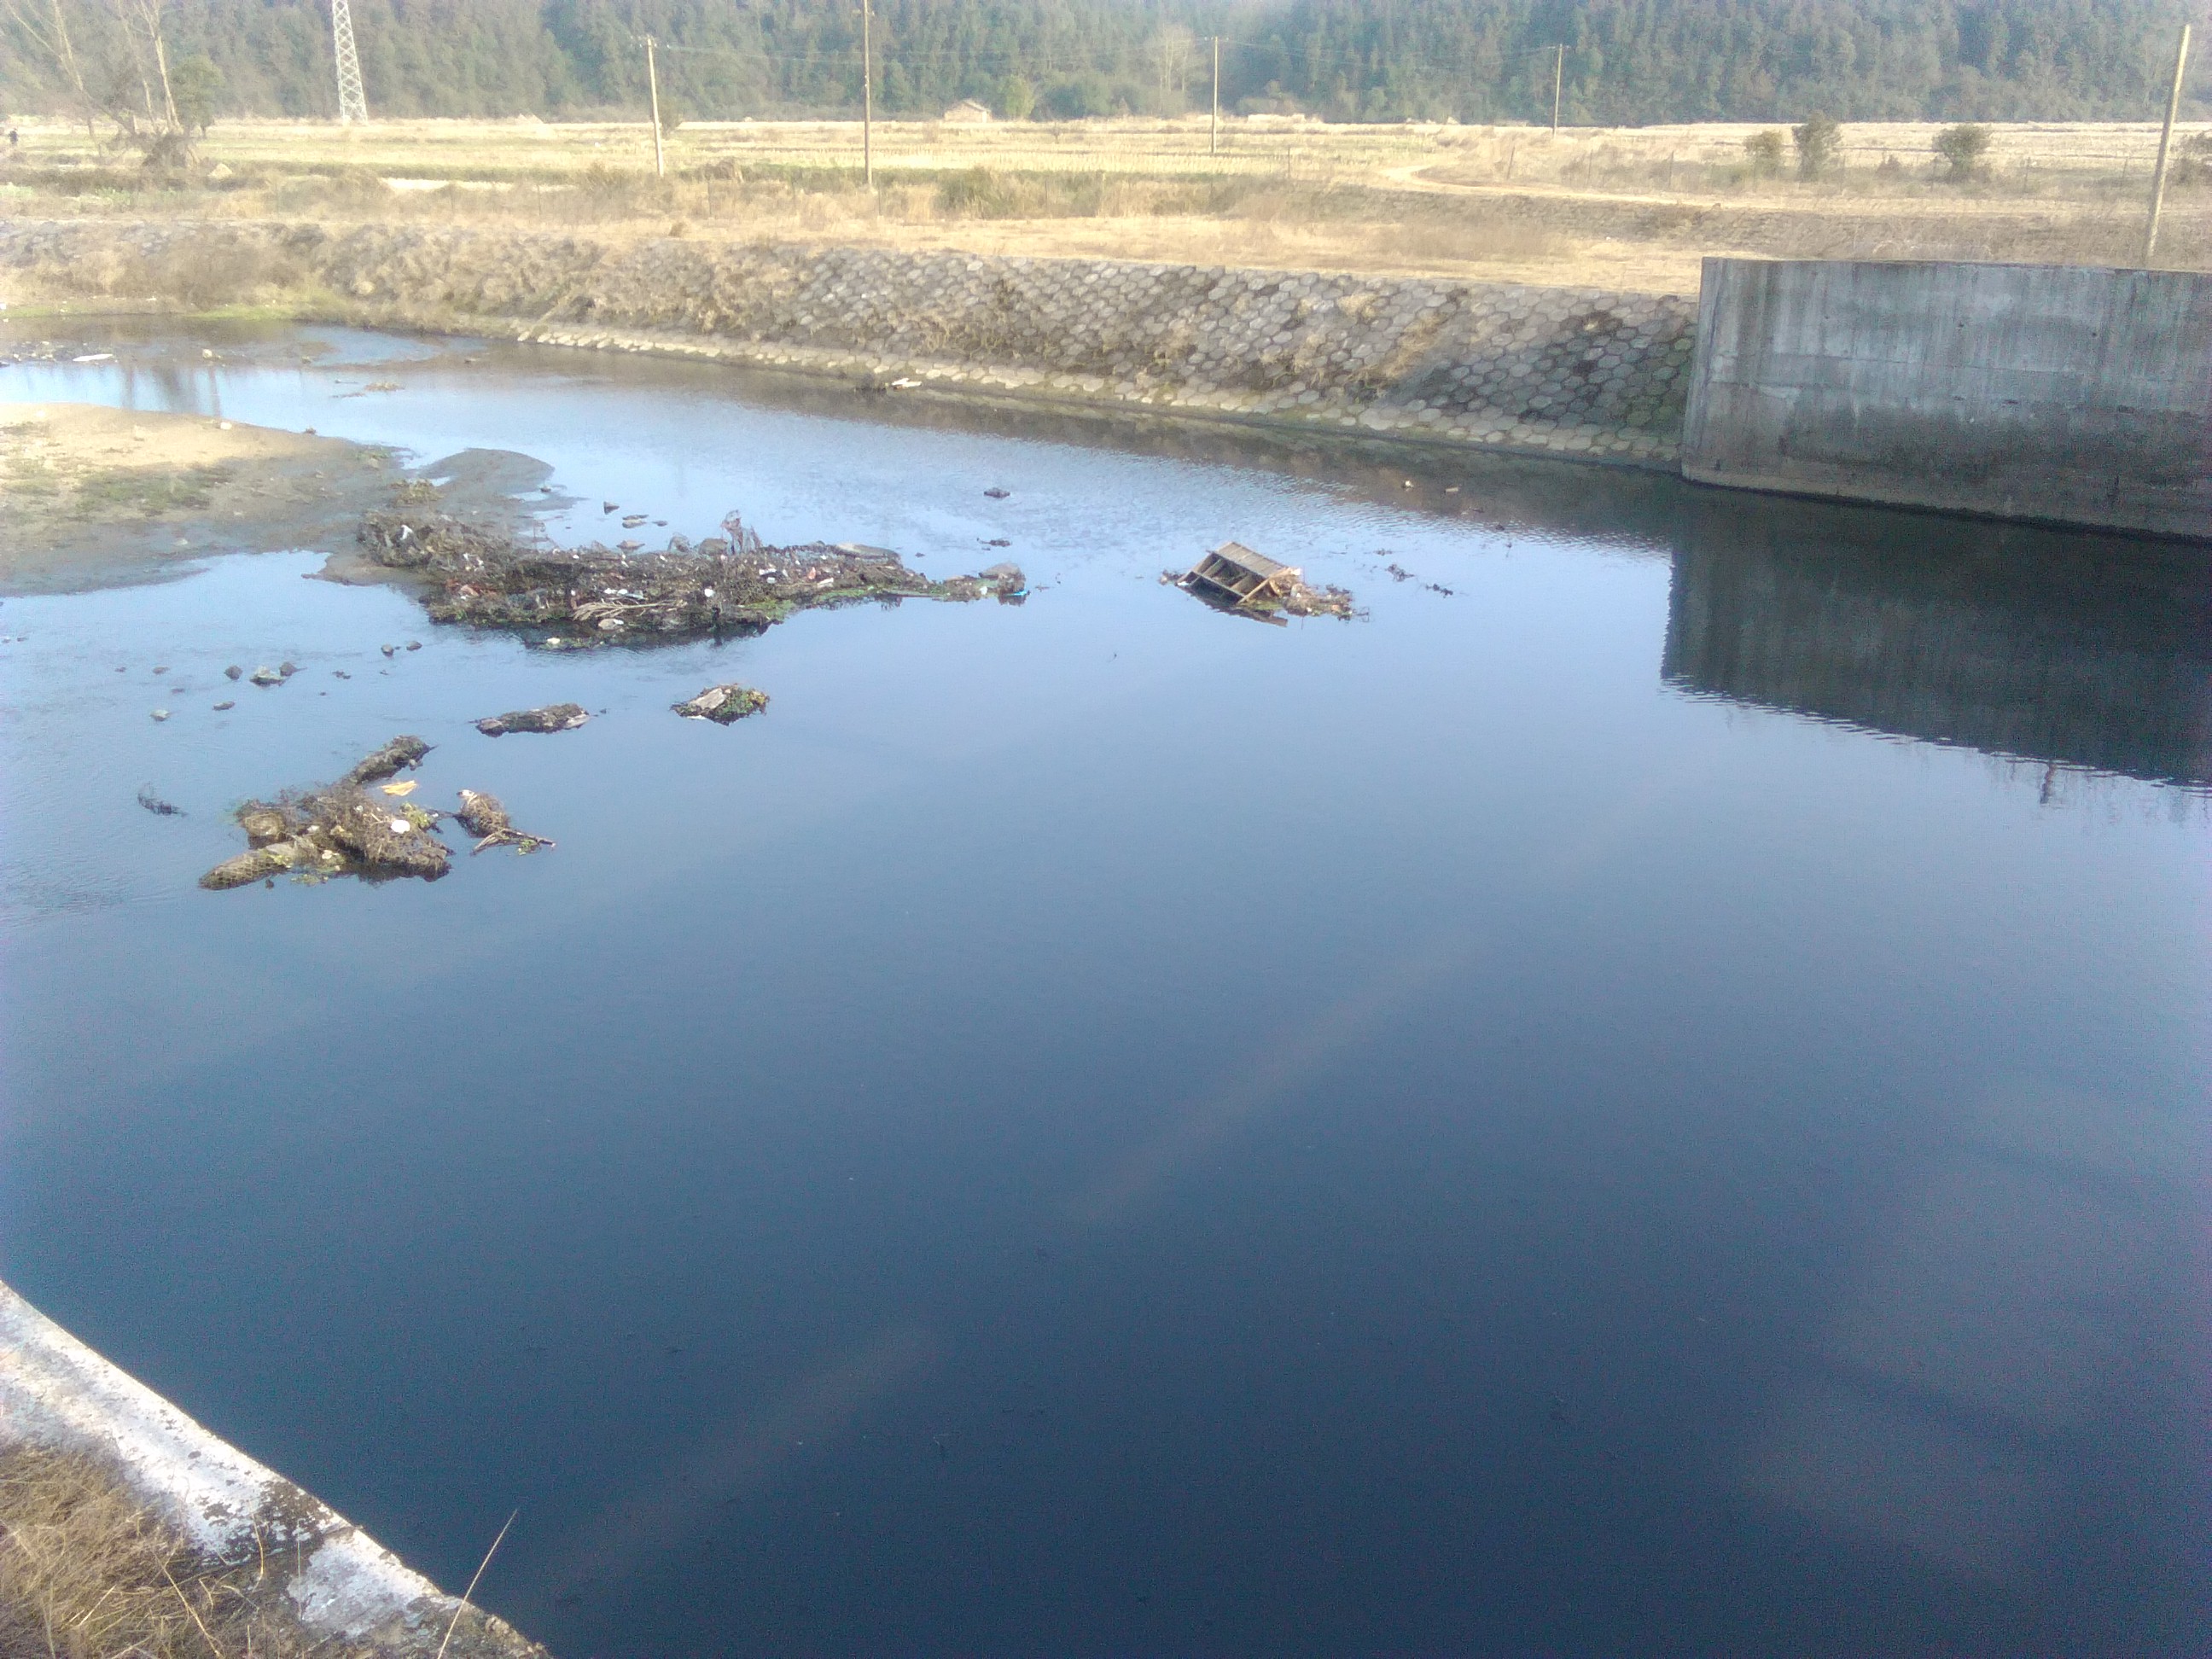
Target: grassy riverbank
[{"x": 1631, "y": 209}]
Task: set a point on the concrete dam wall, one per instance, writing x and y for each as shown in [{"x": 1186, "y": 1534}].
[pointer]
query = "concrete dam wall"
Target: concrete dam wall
[
  {"x": 1573, "y": 372},
  {"x": 2071, "y": 394}
]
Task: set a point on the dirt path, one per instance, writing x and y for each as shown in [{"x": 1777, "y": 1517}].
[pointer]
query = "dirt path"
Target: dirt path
[{"x": 91, "y": 496}]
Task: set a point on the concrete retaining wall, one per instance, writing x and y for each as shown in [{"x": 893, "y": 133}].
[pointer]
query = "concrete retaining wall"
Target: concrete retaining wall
[
  {"x": 2072, "y": 394},
  {"x": 1576, "y": 372}
]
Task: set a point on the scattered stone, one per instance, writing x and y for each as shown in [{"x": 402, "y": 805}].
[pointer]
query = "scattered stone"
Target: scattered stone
[
  {"x": 482, "y": 816},
  {"x": 387, "y": 649},
  {"x": 160, "y": 714},
  {"x": 220, "y": 706},
  {"x": 340, "y": 674},
  {"x": 723, "y": 704},
  {"x": 997, "y": 493},
  {"x": 554, "y": 717},
  {"x": 608, "y": 506},
  {"x": 630, "y": 546},
  {"x": 162, "y": 669},
  {"x": 631, "y": 520},
  {"x": 414, "y": 645},
  {"x": 160, "y": 808},
  {"x": 233, "y": 673},
  {"x": 265, "y": 675}
]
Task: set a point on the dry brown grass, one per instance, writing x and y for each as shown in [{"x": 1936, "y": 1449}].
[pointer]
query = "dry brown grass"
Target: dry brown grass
[
  {"x": 87, "y": 1571},
  {"x": 1632, "y": 209}
]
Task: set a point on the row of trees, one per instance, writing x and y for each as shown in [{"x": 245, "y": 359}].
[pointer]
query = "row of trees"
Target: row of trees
[
  {"x": 1626, "y": 61},
  {"x": 1818, "y": 141}
]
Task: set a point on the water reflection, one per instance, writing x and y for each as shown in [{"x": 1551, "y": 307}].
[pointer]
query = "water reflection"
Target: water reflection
[{"x": 2080, "y": 651}]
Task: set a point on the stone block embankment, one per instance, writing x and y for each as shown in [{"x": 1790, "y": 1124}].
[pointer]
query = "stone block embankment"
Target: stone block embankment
[{"x": 1578, "y": 371}]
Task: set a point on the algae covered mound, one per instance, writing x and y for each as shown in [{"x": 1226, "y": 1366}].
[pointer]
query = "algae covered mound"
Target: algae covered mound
[
  {"x": 554, "y": 717},
  {"x": 725, "y": 584},
  {"x": 341, "y": 830},
  {"x": 722, "y": 703},
  {"x": 482, "y": 816}
]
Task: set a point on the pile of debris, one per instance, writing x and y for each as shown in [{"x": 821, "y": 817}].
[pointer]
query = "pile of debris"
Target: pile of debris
[
  {"x": 1232, "y": 577},
  {"x": 344, "y": 830},
  {"x": 593, "y": 594}
]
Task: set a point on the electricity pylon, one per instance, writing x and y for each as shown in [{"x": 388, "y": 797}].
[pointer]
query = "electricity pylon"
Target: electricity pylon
[{"x": 353, "y": 103}]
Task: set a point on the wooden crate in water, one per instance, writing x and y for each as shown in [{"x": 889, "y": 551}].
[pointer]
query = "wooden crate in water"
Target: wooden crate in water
[{"x": 1234, "y": 573}]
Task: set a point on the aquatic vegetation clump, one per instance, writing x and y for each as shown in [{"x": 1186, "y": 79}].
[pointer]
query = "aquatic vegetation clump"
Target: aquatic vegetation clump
[
  {"x": 340, "y": 830},
  {"x": 722, "y": 704}
]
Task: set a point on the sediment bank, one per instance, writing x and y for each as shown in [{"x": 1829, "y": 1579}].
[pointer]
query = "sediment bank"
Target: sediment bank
[{"x": 1574, "y": 372}]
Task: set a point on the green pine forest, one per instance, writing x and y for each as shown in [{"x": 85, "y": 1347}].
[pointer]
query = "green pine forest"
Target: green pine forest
[{"x": 1627, "y": 61}]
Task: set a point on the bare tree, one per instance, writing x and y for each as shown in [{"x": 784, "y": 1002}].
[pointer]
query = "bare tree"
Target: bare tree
[
  {"x": 47, "y": 29},
  {"x": 1175, "y": 49}
]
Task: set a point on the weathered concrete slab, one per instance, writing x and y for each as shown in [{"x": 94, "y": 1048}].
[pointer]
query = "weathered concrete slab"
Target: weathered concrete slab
[
  {"x": 58, "y": 1394},
  {"x": 2064, "y": 393}
]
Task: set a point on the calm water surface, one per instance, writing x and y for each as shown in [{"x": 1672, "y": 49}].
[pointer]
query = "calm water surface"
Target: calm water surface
[{"x": 1654, "y": 1101}]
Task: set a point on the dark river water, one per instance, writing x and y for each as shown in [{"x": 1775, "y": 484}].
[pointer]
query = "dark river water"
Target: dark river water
[{"x": 1654, "y": 1101}]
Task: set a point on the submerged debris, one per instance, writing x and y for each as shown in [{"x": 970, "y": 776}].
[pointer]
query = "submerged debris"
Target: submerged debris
[
  {"x": 482, "y": 816},
  {"x": 1235, "y": 578},
  {"x": 160, "y": 808},
  {"x": 340, "y": 831},
  {"x": 723, "y": 585},
  {"x": 723, "y": 703},
  {"x": 554, "y": 717}
]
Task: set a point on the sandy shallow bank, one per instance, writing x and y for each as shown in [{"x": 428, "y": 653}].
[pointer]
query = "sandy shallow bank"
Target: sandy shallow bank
[{"x": 91, "y": 496}]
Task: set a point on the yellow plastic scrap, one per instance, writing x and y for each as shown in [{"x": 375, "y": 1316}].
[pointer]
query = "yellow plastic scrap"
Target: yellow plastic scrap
[{"x": 407, "y": 787}]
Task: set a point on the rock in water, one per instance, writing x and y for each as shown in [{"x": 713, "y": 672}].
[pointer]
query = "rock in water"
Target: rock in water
[
  {"x": 554, "y": 717},
  {"x": 723, "y": 703}
]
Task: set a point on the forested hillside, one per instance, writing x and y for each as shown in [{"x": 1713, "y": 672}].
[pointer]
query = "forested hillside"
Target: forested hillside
[{"x": 1627, "y": 61}]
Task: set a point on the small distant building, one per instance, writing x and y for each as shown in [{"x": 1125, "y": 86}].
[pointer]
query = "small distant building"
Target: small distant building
[{"x": 969, "y": 110}]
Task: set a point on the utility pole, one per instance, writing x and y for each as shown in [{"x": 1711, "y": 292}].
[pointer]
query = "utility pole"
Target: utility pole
[
  {"x": 867, "y": 96},
  {"x": 1559, "y": 69},
  {"x": 1213, "y": 122},
  {"x": 2164, "y": 147},
  {"x": 352, "y": 105},
  {"x": 652, "y": 91}
]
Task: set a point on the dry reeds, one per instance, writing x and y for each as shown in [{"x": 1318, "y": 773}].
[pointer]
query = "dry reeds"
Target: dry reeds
[{"x": 87, "y": 1572}]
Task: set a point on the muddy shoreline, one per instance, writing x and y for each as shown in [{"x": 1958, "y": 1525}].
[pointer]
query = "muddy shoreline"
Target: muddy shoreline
[{"x": 92, "y": 496}]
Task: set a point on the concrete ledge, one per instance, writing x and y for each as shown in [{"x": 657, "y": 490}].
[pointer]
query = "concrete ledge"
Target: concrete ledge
[
  {"x": 2066, "y": 394},
  {"x": 57, "y": 1394}
]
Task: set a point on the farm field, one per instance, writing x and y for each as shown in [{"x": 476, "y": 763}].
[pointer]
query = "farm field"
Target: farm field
[{"x": 1629, "y": 208}]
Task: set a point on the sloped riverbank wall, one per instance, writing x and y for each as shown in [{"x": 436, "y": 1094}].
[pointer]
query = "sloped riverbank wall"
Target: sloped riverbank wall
[
  {"x": 1575, "y": 372},
  {"x": 341, "y": 1591},
  {"x": 2074, "y": 394}
]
